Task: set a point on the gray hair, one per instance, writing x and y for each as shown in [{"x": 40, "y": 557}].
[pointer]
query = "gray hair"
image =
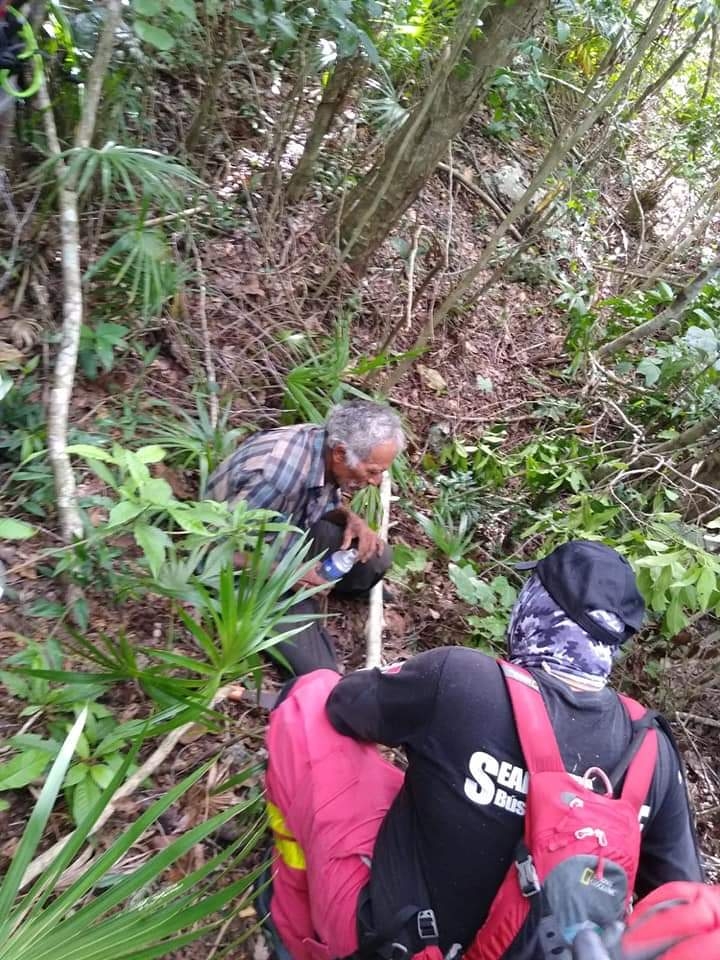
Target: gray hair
[{"x": 360, "y": 425}]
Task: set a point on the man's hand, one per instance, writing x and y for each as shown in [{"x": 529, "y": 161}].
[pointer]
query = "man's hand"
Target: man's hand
[
  {"x": 369, "y": 543},
  {"x": 312, "y": 578}
]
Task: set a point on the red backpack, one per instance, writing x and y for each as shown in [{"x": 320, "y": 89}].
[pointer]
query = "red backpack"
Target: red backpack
[
  {"x": 678, "y": 921},
  {"x": 575, "y": 866}
]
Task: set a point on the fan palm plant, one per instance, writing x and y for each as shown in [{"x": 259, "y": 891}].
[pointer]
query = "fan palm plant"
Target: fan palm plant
[{"x": 100, "y": 910}]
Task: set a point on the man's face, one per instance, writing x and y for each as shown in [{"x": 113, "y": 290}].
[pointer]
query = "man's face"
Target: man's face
[{"x": 367, "y": 472}]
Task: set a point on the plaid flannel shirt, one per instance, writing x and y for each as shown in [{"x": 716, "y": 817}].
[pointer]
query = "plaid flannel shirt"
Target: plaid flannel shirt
[{"x": 281, "y": 470}]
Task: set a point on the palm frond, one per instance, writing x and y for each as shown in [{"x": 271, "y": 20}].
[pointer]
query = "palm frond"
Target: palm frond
[{"x": 139, "y": 174}]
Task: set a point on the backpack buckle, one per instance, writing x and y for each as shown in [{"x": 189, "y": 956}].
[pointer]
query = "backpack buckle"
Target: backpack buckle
[
  {"x": 527, "y": 875},
  {"x": 427, "y": 925}
]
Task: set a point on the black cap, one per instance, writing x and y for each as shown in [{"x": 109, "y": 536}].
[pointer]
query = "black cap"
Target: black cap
[{"x": 583, "y": 575}]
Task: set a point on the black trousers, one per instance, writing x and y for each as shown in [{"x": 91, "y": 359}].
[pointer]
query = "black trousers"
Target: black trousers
[{"x": 312, "y": 648}]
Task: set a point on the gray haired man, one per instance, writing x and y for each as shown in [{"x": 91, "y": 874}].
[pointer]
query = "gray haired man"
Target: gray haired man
[{"x": 301, "y": 472}]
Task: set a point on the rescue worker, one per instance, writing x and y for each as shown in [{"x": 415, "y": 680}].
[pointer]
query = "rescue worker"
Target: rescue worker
[{"x": 375, "y": 862}]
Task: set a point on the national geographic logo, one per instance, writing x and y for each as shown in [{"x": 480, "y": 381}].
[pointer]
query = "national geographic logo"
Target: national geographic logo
[{"x": 589, "y": 878}]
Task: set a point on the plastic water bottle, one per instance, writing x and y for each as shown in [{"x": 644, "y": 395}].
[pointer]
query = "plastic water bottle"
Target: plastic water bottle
[{"x": 338, "y": 564}]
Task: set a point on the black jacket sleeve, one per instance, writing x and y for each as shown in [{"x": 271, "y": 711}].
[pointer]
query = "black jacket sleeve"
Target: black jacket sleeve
[
  {"x": 391, "y": 706},
  {"x": 669, "y": 848}
]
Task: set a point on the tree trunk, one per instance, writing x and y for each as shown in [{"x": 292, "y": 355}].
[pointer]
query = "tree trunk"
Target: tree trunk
[
  {"x": 336, "y": 90},
  {"x": 569, "y": 137},
  {"x": 385, "y": 193},
  {"x": 706, "y": 427}
]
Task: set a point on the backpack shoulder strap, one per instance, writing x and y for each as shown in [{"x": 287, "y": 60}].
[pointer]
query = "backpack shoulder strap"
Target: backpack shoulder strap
[
  {"x": 641, "y": 757},
  {"x": 535, "y": 732}
]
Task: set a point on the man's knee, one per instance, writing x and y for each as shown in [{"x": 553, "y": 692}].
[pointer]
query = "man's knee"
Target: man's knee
[
  {"x": 383, "y": 561},
  {"x": 326, "y": 536}
]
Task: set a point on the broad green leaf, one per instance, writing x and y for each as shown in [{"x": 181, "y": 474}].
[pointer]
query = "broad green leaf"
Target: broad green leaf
[
  {"x": 136, "y": 468},
  {"x": 90, "y": 452},
  {"x": 123, "y": 512},
  {"x": 154, "y": 543},
  {"x": 33, "y": 741},
  {"x": 83, "y": 747},
  {"x": 648, "y": 369},
  {"x": 185, "y": 8},
  {"x": 183, "y": 516},
  {"x": 101, "y": 774},
  {"x": 659, "y": 560},
  {"x": 675, "y": 618},
  {"x": 147, "y": 8},
  {"x": 15, "y": 529},
  {"x": 84, "y": 796},
  {"x": 657, "y": 545},
  {"x": 76, "y": 773},
  {"x": 705, "y": 586},
  {"x": 665, "y": 291},
  {"x": 156, "y": 491},
  {"x": 152, "y": 453},
  {"x": 154, "y": 36},
  {"x": 469, "y": 587},
  {"x": 23, "y": 769}
]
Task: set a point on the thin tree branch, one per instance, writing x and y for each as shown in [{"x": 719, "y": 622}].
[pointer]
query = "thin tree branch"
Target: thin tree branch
[
  {"x": 207, "y": 346},
  {"x": 669, "y": 315},
  {"x": 66, "y": 360},
  {"x": 96, "y": 74},
  {"x": 374, "y": 627}
]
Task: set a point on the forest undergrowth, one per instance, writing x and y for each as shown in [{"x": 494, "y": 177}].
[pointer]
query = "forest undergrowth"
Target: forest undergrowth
[{"x": 508, "y": 231}]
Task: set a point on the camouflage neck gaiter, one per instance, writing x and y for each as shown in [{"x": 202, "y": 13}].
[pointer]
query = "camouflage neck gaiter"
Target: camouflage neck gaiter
[{"x": 542, "y": 635}]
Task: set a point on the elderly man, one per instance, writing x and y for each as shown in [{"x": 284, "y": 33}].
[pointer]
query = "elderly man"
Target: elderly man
[{"x": 301, "y": 472}]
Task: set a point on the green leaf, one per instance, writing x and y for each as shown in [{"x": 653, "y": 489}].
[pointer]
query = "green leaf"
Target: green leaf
[
  {"x": 76, "y": 773},
  {"x": 705, "y": 586},
  {"x": 154, "y": 36},
  {"x": 152, "y": 453},
  {"x": 648, "y": 369},
  {"x": 185, "y": 8},
  {"x": 33, "y": 741},
  {"x": 48, "y": 609},
  {"x": 23, "y": 769},
  {"x": 101, "y": 774},
  {"x": 675, "y": 618},
  {"x": 90, "y": 452},
  {"x": 123, "y": 512},
  {"x": 16, "y": 529},
  {"x": 184, "y": 517},
  {"x": 657, "y": 545},
  {"x": 465, "y": 582},
  {"x": 284, "y": 25},
  {"x": 84, "y": 796},
  {"x": 147, "y": 8},
  {"x": 156, "y": 491},
  {"x": 154, "y": 543},
  {"x": 665, "y": 291}
]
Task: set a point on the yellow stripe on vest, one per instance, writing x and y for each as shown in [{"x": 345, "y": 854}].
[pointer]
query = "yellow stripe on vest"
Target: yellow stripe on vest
[{"x": 287, "y": 846}]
